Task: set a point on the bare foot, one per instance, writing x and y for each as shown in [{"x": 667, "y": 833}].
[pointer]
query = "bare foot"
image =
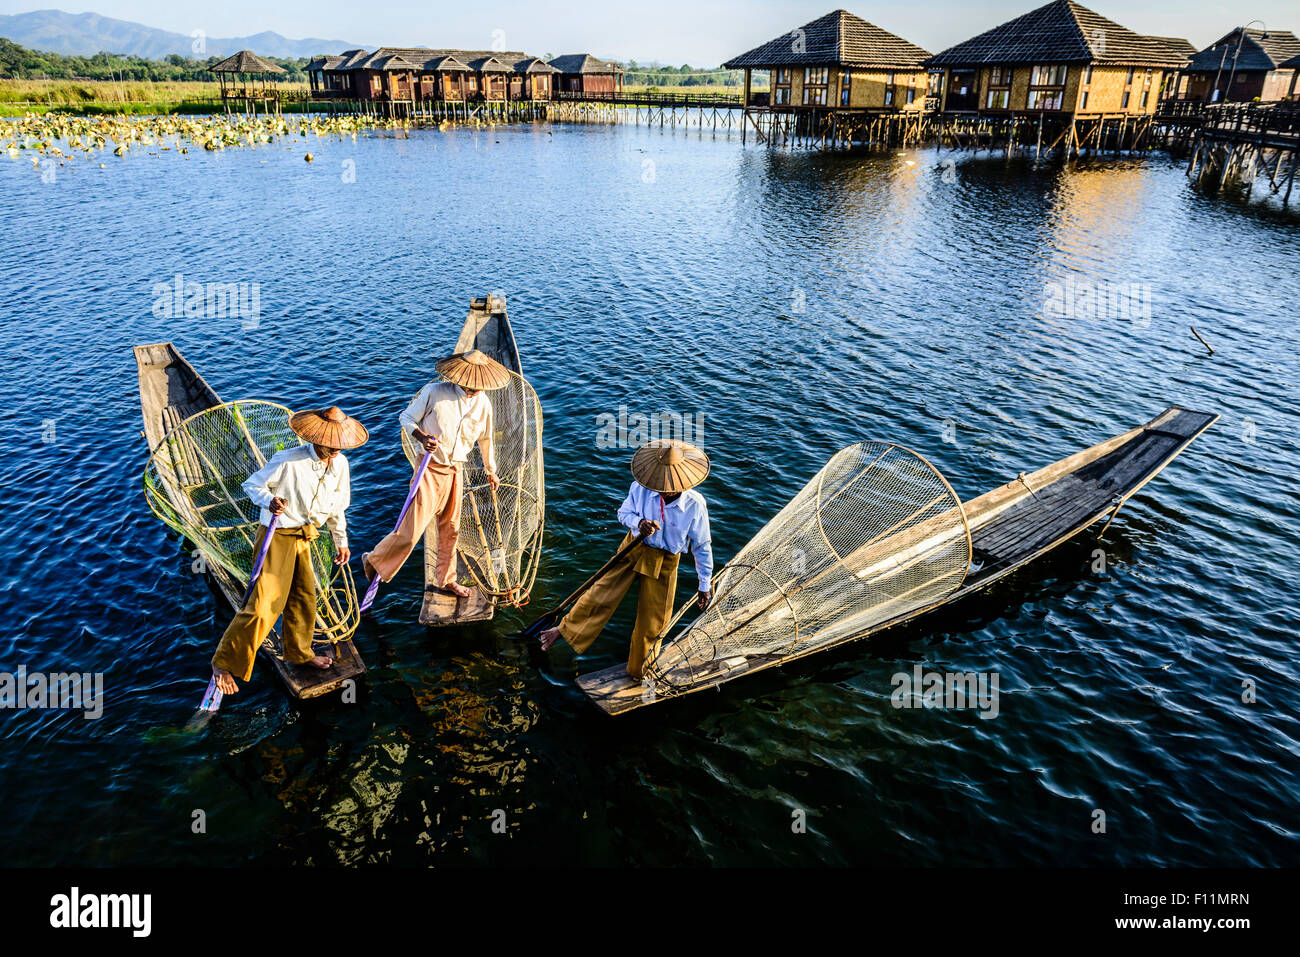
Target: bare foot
[
  {"x": 456, "y": 588},
  {"x": 549, "y": 637},
  {"x": 367, "y": 569},
  {"x": 321, "y": 662},
  {"x": 225, "y": 680}
]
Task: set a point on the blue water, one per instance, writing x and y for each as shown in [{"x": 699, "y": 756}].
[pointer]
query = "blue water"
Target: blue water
[{"x": 797, "y": 301}]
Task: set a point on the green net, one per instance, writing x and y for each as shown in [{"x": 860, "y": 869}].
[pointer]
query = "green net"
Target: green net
[
  {"x": 193, "y": 482},
  {"x": 501, "y": 531}
]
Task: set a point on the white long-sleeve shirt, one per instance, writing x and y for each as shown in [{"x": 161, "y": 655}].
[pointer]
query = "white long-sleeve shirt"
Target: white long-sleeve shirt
[
  {"x": 444, "y": 411},
  {"x": 313, "y": 494},
  {"x": 683, "y": 524}
]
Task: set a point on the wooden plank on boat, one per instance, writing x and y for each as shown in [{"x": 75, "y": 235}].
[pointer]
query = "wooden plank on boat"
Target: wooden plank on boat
[
  {"x": 1010, "y": 527},
  {"x": 613, "y": 690},
  {"x": 441, "y": 607},
  {"x": 487, "y": 328},
  {"x": 304, "y": 682},
  {"x": 171, "y": 391}
]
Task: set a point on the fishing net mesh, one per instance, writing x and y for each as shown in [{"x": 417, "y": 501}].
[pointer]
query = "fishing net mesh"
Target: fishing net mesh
[
  {"x": 501, "y": 531},
  {"x": 876, "y": 534},
  {"x": 193, "y": 482}
]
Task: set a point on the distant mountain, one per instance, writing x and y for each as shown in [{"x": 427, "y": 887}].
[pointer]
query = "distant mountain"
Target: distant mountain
[{"x": 85, "y": 34}]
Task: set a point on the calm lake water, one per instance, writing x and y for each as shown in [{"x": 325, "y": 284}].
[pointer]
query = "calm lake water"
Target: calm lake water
[{"x": 798, "y": 302}]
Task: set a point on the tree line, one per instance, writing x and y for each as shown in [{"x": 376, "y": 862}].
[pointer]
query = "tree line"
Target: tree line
[
  {"x": 17, "y": 62},
  {"x": 685, "y": 75}
]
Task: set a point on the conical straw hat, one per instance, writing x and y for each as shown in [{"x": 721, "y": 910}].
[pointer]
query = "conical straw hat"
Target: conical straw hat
[
  {"x": 329, "y": 427},
  {"x": 473, "y": 370},
  {"x": 668, "y": 466}
]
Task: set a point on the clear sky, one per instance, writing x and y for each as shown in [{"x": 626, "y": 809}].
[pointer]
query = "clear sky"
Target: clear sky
[{"x": 701, "y": 32}]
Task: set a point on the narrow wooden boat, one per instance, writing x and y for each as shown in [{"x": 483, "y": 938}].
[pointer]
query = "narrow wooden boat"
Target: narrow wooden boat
[
  {"x": 171, "y": 392},
  {"x": 488, "y": 329},
  {"x": 1005, "y": 529}
]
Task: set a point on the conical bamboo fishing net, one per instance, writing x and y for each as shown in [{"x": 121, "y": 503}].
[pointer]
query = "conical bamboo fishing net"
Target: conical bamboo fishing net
[
  {"x": 876, "y": 534},
  {"x": 193, "y": 482},
  {"x": 501, "y": 531}
]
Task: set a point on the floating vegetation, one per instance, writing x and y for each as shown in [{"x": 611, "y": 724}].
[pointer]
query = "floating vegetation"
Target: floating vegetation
[{"x": 62, "y": 137}]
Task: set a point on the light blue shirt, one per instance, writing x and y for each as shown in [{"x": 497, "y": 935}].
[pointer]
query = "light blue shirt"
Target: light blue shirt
[{"x": 683, "y": 524}]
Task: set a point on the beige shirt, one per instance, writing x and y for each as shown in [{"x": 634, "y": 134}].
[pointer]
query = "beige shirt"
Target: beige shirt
[
  {"x": 312, "y": 493},
  {"x": 444, "y": 411}
]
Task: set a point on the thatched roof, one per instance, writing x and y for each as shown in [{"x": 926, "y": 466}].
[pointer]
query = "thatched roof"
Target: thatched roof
[
  {"x": 1177, "y": 47},
  {"x": 448, "y": 63},
  {"x": 534, "y": 65},
  {"x": 245, "y": 61},
  {"x": 1060, "y": 32},
  {"x": 420, "y": 60},
  {"x": 1260, "y": 50},
  {"x": 840, "y": 39},
  {"x": 584, "y": 63}
]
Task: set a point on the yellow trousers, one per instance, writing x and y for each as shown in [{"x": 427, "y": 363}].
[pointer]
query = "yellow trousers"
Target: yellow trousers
[
  {"x": 436, "y": 500},
  {"x": 656, "y": 572},
  {"x": 286, "y": 586}
]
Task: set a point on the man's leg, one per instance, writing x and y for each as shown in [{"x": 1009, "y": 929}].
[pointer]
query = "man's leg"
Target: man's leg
[
  {"x": 589, "y": 616},
  {"x": 448, "y": 484},
  {"x": 300, "y": 610},
  {"x": 654, "y": 609},
  {"x": 391, "y": 553},
  {"x": 253, "y": 622}
]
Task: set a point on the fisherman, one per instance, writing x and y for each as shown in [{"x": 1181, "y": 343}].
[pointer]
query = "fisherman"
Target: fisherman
[
  {"x": 662, "y": 505},
  {"x": 446, "y": 419},
  {"x": 303, "y": 487}
]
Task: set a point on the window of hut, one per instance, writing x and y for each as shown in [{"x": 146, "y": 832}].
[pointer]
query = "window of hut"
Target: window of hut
[
  {"x": 814, "y": 90},
  {"x": 999, "y": 95},
  {"x": 845, "y": 87}
]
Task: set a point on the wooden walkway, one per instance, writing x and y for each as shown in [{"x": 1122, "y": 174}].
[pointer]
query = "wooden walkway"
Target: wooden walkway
[{"x": 1237, "y": 144}]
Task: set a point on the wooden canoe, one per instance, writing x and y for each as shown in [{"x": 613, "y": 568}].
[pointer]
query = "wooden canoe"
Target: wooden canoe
[
  {"x": 487, "y": 329},
  {"x": 1009, "y": 526},
  {"x": 170, "y": 392}
]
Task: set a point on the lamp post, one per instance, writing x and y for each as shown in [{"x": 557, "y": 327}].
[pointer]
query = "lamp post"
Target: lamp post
[{"x": 1240, "y": 39}]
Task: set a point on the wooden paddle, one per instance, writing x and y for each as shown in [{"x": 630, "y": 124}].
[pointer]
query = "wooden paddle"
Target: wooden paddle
[
  {"x": 212, "y": 696},
  {"x": 373, "y": 590},
  {"x": 551, "y": 617}
]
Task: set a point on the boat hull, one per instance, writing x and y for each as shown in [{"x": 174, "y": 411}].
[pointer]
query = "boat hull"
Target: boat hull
[{"x": 1010, "y": 526}]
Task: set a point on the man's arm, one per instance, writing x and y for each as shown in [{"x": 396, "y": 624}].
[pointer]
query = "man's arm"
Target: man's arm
[
  {"x": 702, "y": 548},
  {"x": 260, "y": 485},
  {"x": 629, "y": 513},
  {"x": 337, "y": 522},
  {"x": 414, "y": 414},
  {"x": 486, "y": 446}
]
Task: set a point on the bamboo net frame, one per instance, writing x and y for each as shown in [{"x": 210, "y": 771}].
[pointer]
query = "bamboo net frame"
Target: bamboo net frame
[
  {"x": 193, "y": 483},
  {"x": 878, "y": 532}
]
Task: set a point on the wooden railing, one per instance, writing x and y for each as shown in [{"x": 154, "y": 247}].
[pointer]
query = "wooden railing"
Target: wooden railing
[
  {"x": 1280, "y": 119},
  {"x": 727, "y": 100}
]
